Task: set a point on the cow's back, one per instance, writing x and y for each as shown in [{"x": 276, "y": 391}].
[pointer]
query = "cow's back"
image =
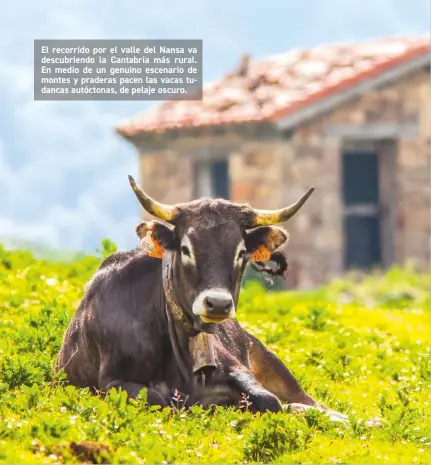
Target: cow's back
[{"x": 120, "y": 321}]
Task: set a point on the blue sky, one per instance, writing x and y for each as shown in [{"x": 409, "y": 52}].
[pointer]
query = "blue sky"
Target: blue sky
[{"x": 63, "y": 170}]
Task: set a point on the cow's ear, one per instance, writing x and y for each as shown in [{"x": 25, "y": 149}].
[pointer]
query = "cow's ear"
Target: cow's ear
[
  {"x": 263, "y": 241},
  {"x": 155, "y": 237}
]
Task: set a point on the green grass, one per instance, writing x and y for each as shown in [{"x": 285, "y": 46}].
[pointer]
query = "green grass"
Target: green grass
[{"x": 359, "y": 346}]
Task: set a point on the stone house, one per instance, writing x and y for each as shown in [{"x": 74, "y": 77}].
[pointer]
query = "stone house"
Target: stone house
[{"x": 350, "y": 119}]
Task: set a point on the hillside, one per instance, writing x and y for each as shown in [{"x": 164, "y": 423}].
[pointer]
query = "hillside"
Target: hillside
[{"x": 361, "y": 347}]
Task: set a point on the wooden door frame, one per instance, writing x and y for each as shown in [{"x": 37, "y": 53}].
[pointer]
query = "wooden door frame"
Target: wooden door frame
[
  {"x": 386, "y": 150},
  {"x": 370, "y": 209}
]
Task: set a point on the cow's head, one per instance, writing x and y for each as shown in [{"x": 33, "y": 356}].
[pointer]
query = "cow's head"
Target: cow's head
[{"x": 211, "y": 241}]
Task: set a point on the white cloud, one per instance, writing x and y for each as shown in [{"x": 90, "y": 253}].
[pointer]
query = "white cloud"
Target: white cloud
[
  {"x": 44, "y": 233},
  {"x": 61, "y": 152}
]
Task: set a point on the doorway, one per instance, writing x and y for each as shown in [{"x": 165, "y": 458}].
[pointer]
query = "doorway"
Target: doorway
[
  {"x": 212, "y": 179},
  {"x": 361, "y": 209}
]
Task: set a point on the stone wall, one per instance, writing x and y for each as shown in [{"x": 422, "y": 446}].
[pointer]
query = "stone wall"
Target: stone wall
[
  {"x": 315, "y": 248},
  {"x": 256, "y": 174},
  {"x": 166, "y": 178},
  {"x": 413, "y": 179},
  {"x": 406, "y": 101},
  {"x": 275, "y": 171},
  {"x": 317, "y": 241}
]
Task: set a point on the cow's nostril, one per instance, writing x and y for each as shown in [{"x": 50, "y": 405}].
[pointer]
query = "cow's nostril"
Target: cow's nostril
[
  {"x": 208, "y": 303},
  {"x": 218, "y": 304}
]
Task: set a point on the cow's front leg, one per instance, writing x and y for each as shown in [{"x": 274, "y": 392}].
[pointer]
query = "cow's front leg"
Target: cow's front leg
[
  {"x": 227, "y": 388},
  {"x": 260, "y": 398},
  {"x": 240, "y": 380},
  {"x": 274, "y": 376}
]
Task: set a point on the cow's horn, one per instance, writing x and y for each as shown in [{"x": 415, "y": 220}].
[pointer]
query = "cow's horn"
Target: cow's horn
[
  {"x": 268, "y": 217},
  {"x": 159, "y": 210}
]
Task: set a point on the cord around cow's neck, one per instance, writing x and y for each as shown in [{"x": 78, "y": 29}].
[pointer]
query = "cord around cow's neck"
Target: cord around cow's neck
[
  {"x": 172, "y": 307},
  {"x": 199, "y": 344}
]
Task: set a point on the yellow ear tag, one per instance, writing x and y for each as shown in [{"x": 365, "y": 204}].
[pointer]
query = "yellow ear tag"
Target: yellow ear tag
[
  {"x": 261, "y": 254},
  {"x": 152, "y": 247}
]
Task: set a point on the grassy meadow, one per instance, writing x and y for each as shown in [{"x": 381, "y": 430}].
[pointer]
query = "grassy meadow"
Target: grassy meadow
[{"x": 362, "y": 347}]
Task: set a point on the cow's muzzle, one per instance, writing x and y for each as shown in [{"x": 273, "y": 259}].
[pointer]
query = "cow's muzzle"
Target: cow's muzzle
[{"x": 214, "y": 306}]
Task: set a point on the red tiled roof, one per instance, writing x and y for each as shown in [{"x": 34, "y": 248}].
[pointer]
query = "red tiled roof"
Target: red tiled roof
[{"x": 281, "y": 84}]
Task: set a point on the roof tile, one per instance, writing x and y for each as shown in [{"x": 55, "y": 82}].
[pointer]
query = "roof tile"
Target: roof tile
[{"x": 280, "y": 84}]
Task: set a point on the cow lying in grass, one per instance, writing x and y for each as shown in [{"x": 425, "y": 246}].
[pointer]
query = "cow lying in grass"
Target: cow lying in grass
[{"x": 164, "y": 318}]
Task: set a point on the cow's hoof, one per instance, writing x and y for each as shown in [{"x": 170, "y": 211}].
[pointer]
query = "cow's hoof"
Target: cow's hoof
[
  {"x": 333, "y": 415},
  {"x": 296, "y": 408},
  {"x": 337, "y": 416},
  {"x": 375, "y": 422}
]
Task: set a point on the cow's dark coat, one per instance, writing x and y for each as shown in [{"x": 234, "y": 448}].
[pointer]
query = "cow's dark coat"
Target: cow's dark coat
[
  {"x": 125, "y": 333},
  {"x": 119, "y": 337}
]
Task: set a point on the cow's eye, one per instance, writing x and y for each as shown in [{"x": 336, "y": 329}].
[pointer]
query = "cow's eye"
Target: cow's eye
[
  {"x": 241, "y": 254},
  {"x": 185, "y": 251}
]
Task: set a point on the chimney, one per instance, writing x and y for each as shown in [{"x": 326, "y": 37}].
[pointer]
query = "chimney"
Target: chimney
[{"x": 243, "y": 68}]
